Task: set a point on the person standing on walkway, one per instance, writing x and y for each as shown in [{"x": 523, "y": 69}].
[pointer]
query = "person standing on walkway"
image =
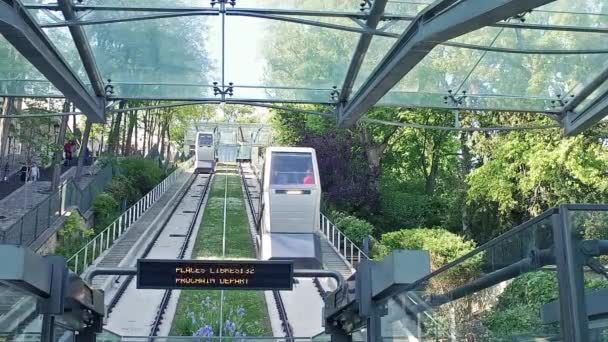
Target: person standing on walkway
[
  {"x": 6, "y": 171},
  {"x": 34, "y": 173},
  {"x": 67, "y": 149},
  {"x": 23, "y": 175}
]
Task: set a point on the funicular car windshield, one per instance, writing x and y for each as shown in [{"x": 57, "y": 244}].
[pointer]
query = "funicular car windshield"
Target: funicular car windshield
[
  {"x": 292, "y": 168},
  {"x": 205, "y": 139}
]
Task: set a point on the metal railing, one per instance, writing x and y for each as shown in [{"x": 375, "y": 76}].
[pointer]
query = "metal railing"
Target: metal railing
[
  {"x": 40, "y": 218},
  {"x": 348, "y": 250},
  {"x": 87, "y": 255}
]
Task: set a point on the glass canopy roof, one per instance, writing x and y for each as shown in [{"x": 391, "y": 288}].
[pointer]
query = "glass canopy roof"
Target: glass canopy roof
[{"x": 301, "y": 51}]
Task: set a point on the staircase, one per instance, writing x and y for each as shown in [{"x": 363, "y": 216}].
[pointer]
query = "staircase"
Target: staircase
[{"x": 333, "y": 261}]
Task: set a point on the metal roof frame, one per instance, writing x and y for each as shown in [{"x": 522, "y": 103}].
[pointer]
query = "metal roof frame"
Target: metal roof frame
[
  {"x": 439, "y": 22},
  {"x": 22, "y": 31}
]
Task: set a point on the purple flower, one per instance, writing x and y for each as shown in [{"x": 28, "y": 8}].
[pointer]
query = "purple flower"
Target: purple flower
[
  {"x": 206, "y": 331},
  {"x": 230, "y": 327},
  {"x": 240, "y": 312}
]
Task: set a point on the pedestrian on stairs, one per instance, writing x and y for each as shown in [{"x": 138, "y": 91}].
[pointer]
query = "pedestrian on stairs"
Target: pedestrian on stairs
[{"x": 34, "y": 173}]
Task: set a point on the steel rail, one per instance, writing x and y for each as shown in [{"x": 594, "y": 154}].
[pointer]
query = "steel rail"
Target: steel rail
[
  {"x": 124, "y": 285},
  {"x": 287, "y": 328},
  {"x": 182, "y": 252}
]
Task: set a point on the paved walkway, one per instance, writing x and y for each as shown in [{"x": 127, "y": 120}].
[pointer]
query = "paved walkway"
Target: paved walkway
[
  {"x": 27, "y": 196},
  {"x": 14, "y": 181}
]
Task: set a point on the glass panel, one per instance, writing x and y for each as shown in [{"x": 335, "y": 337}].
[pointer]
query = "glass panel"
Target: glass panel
[
  {"x": 436, "y": 100},
  {"x": 62, "y": 39},
  {"x": 531, "y": 75},
  {"x": 148, "y": 3},
  {"x": 592, "y": 224},
  {"x": 292, "y": 168},
  {"x": 577, "y": 6},
  {"x": 443, "y": 69},
  {"x": 164, "y": 58},
  {"x": 404, "y": 7},
  {"x": 18, "y": 314},
  {"x": 310, "y": 5},
  {"x": 281, "y": 54},
  {"x": 280, "y": 94},
  {"x": 18, "y": 77},
  {"x": 550, "y": 40},
  {"x": 494, "y": 294}
]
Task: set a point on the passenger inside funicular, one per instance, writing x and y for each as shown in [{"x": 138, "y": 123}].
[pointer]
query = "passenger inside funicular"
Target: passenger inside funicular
[{"x": 292, "y": 169}]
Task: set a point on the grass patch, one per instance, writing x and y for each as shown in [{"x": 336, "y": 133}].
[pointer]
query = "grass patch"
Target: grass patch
[{"x": 245, "y": 312}]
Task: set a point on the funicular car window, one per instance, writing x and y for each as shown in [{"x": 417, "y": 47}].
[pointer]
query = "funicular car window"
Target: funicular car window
[
  {"x": 292, "y": 168},
  {"x": 205, "y": 139}
]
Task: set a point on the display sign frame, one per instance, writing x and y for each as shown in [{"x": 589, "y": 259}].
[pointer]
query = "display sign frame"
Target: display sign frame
[{"x": 215, "y": 274}]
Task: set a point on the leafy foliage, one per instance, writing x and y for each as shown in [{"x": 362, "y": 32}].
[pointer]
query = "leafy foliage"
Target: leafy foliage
[
  {"x": 142, "y": 173},
  {"x": 73, "y": 235},
  {"x": 517, "y": 311},
  {"x": 443, "y": 245},
  {"x": 106, "y": 210},
  {"x": 122, "y": 190},
  {"x": 354, "y": 228}
]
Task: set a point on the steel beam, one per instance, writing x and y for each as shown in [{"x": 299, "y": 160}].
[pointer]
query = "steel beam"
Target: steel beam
[
  {"x": 21, "y": 30},
  {"x": 587, "y": 90},
  {"x": 304, "y": 13},
  {"x": 354, "y": 67},
  {"x": 576, "y": 122},
  {"x": 83, "y": 47},
  {"x": 444, "y": 20}
]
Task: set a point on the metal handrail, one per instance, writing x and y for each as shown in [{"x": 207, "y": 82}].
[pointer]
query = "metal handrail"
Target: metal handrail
[
  {"x": 87, "y": 255},
  {"x": 342, "y": 244}
]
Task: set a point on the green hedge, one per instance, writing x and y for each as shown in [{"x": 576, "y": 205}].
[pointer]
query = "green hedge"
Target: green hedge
[
  {"x": 444, "y": 246},
  {"x": 144, "y": 174},
  {"x": 106, "y": 210},
  {"x": 354, "y": 228}
]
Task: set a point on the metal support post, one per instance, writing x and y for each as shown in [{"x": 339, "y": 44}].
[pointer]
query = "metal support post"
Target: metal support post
[
  {"x": 48, "y": 328},
  {"x": 57, "y": 157},
  {"x": 570, "y": 261}
]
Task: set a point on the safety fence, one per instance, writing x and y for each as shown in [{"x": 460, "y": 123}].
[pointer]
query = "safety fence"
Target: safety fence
[
  {"x": 347, "y": 249},
  {"x": 40, "y": 218},
  {"x": 87, "y": 255}
]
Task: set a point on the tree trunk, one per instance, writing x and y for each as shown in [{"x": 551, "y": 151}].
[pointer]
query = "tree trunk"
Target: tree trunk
[
  {"x": 83, "y": 147},
  {"x": 59, "y": 152},
  {"x": 115, "y": 130},
  {"x": 465, "y": 169},
  {"x": 5, "y": 124},
  {"x": 168, "y": 159},
  {"x": 151, "y": 132},
  {"x": 136, "y": 130},
  {"x": 132, "y": 123},
  {"x": 146, "y": 117},
  {"x": 125, "y": 143},
  {"x": 163, "y": 132}
]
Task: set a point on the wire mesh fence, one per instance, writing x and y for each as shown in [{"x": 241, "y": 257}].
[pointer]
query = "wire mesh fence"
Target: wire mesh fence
[
  {"x": 40, "y": 218},
  {"x": 87, "y": 255}
]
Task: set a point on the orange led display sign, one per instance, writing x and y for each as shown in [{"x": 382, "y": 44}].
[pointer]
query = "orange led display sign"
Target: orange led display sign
[{"x": 212, "y": 274}]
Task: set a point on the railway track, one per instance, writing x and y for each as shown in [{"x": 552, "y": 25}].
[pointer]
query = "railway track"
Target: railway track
[
  {"x": 124, "y": 286},
  {"x": 287, "y": 328}
]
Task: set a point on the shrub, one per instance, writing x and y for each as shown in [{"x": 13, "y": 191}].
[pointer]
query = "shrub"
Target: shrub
[
  {"x": 443, "y": 245},
  {"x": 144, "y": 174},
  {"x": 121, "y": 189},
  {"x": 106, "y": 210},
  {"x": 73, "y": 235},
  {"x": 354, "y": 228}
]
